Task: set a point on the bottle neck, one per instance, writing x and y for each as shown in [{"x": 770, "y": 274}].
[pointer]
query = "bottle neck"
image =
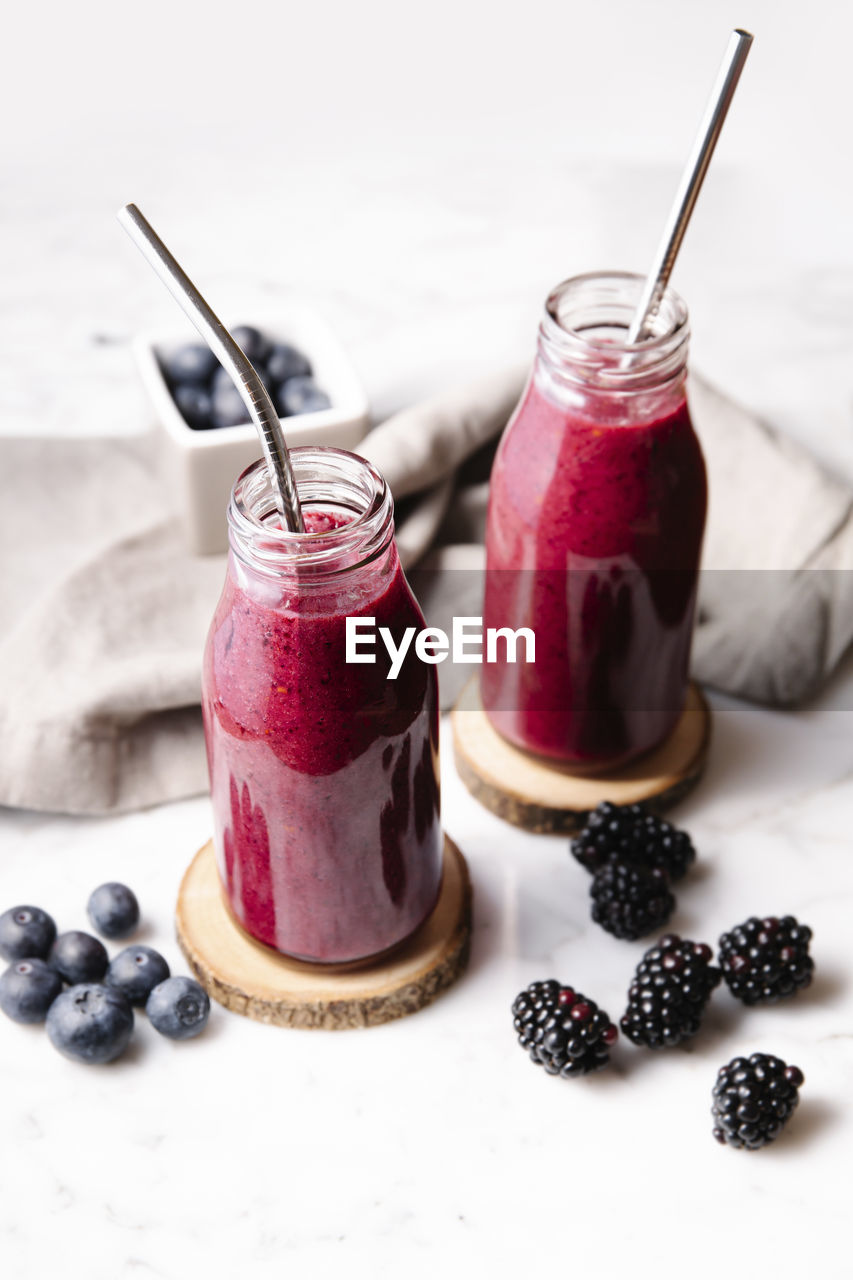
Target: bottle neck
[
  {"x": 348, "y": 512},
  {"x": 584, "y": 360}
]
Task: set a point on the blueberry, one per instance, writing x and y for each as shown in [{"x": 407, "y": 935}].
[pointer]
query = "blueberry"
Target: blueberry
[
  {"x": 135, "y": 972},
  {"x": 196, "y": 407},
  {"x": 178, "y": 1008},
  {"x": 26, "y": 932},
  {"x": 90, "y": 1023},
  {"x": 189, "y": 365},
  {"x": 251, "y": 342},
  {"x": 78, "y": 957},
  {"x": 222, "y": 378},
  {"x": 113, "y": 910},
  {"x": 300, "y": 395},
  {"x": 228, "y": 407},
  {"x": 27, "y": 990},
  {"x": 285, "y": 361}
]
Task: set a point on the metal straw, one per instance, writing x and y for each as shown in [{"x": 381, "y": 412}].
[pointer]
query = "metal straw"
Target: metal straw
[
  {"x": 252, "y": 390},
  {"x": 691, "y": 183}
]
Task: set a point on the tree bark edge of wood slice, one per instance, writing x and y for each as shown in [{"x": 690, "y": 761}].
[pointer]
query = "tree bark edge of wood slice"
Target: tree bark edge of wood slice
[
  {"x": 546, "y": 799},
  {"x": 251, "y": 979}
]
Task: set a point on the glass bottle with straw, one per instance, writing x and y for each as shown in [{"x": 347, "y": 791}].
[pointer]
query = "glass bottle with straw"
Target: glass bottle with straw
[
  {"x": 324, "y": 773},
  {"x": 597, "y": 508}
]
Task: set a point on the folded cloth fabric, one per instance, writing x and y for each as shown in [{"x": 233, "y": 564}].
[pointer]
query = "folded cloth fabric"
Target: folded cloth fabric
[{"x": 103, "y": 611}]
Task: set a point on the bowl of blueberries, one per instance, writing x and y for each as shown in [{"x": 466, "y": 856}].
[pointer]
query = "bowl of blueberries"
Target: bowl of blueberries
[{"x": 206, "y": 437}]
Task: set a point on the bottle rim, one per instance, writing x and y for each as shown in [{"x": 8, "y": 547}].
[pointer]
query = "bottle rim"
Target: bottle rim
[
  {"x": 326, "y": 479},
  {"x": 584, "y": 316}
]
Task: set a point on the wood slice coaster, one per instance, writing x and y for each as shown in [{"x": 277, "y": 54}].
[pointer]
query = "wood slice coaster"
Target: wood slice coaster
[
  {"x": 249, "y": 978},
  {"x": 545, "y": 797}
]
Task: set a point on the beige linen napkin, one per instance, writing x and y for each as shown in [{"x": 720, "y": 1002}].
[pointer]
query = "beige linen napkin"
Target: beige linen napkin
[{"x": 103, "y": 612}]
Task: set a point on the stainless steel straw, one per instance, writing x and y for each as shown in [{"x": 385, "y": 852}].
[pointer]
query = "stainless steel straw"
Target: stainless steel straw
[
  {"x": 691, "y": 182},
  {"x": 252, "y": 390}
]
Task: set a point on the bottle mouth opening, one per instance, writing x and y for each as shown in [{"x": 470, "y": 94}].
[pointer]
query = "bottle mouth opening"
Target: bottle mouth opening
[
  {"x": 332, "y": 481},
  {"x": 591, "y": 307},
  {"x": 584, "y": 332}
]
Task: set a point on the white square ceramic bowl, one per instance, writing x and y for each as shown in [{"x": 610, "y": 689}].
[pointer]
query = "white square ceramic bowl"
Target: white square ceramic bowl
[{"x": 200, "y": 467}]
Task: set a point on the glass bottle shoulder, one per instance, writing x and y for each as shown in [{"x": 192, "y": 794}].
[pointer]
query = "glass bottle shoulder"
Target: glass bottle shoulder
[{"x": 591, "y": 477}]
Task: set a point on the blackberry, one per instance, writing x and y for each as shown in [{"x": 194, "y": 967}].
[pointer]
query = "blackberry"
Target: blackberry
[
  {"x": 752, "y": 1099},
  {"x": 629, "y": 900},
  {"x": 671, "y": 988},
  {"x": 637, "y": 836},
  {"x": 766, "y": 960},
  {"x": 563, "y": 1031}
]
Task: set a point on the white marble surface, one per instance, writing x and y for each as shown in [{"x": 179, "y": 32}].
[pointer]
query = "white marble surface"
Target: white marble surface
[
  {"x": 434, "y": 1143},
  {"x": 454, "y": 166}
]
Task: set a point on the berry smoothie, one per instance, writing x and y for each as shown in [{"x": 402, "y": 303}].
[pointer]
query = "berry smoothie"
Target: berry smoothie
[
  {"x": 324, "y": 775},
  {"x": 595, "y": 524}
]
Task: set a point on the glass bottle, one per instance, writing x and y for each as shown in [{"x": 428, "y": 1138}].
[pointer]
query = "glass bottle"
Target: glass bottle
[
  {"x": 596, "y": 516},
  {"x": 324, "y": 774}
]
